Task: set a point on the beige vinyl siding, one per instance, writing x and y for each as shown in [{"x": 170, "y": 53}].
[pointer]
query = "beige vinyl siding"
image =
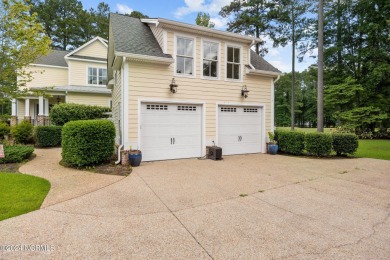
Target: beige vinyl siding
[
  {"x": 158, "y": 32},
  {"x": 89, "y": 99},
  {"x": 79, "y": 71},
  {"x": 116, "y": 99},
  {"x": 47, "y": 76},
  {"x": 95, "y": 49},
  {"x": 147, "y": 80}
]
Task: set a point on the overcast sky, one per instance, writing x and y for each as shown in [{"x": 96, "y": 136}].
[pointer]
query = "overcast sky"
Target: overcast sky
[{"x": 186, "y": 11}]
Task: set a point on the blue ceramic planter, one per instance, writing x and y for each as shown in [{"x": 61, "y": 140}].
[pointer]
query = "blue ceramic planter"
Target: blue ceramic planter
[
  {"x": 135, "y": 159},
  {"x": 273, "y": 148}
]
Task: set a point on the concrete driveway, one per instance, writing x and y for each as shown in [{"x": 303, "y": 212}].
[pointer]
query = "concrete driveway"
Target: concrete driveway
[{"x": 248, "y": 207}]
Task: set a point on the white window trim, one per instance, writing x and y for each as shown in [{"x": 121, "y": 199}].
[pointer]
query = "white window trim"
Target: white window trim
[
  {"x": 176, "y": 35},
  {"x": 227, "y": 44},
  {"x": 95, "y": 67},
  {"x": 219, "y": 59}
]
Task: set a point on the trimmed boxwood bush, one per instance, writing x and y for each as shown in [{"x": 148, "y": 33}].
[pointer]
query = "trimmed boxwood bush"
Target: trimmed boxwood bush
[
  {"x": 62, "y": 113},
  {"x": 16, "y": 154},
  {"x": 47, "y": 136},
  {"x": 22, "y": 133},
  {"x": 87, "y": 142},
  {"x": 345, "y": 143},
  {"x": 4, "y": 129},
  {"x": 319, "y": 144},
  {"x": 291, "y": 141}
]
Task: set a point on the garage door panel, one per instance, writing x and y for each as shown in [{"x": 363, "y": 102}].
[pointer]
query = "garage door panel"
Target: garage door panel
[
  {"x": 239, "y": 129},
  {"x": 171, "y": 131}
]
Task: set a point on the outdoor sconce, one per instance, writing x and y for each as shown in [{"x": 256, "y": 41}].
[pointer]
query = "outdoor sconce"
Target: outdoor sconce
[
  {"x": 244, "y": 91},
  {"x": 173, "y": 86}
]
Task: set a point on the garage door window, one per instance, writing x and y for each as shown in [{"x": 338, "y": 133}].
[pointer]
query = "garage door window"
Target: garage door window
[
  {"x": 228, "y": 109},
  {"x": 250, "y": 110},
  {"x": 156, "y": 107},
  {"x": 186, "y": 108}
]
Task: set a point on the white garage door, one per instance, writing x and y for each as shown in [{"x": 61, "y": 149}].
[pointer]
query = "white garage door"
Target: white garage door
[
  {"x": 170, "y": 131},
  {"x": 239, "y": 129}
]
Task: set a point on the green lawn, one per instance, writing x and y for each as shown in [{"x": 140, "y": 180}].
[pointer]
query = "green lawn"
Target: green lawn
[
  {"x": 20, "y": 194},
  {"x": 378, "y": 149}
]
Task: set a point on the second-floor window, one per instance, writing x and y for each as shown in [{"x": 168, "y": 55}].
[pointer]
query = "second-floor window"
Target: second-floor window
[
  {"x": 233, "y": 63},
  {"x": 185, "y": 56},
  {"x": 210, "y": 59},
  {"x": 97, "y": 76}
]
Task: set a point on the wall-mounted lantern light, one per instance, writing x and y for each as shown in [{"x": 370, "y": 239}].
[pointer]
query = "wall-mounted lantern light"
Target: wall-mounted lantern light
[
  {"x": 244, "y": 91},
  {"x": 173, "y": 86}
]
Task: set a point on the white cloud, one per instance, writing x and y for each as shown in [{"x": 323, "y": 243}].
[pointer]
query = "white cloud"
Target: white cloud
[
  {"x": 123, "y": 9},
  {"x": 220, "y": 23},
  {"x": 193, "y": 6}
]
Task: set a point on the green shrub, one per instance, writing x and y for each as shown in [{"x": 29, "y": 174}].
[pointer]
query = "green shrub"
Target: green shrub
[
  {"x": 22, "y": 133},
  {"x": 87, "y": 142},
  {"x": 292, "y": 142},
  {"x": 345, "y": 143},
  {"x": 47, "y": 136},
  {"x": 319, "y": 144},
  {"x": 4, "y": 129},
  {"x": 62, "y": 113},
  {"x": 16, "y": 154}
]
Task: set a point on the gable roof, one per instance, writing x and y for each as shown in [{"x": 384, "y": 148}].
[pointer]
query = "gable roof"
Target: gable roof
[
  {"x": 261, "y": 64},
  {"x": 97, "y": 38},
  {"x": 132, "y": 36},
  {"x": 54, "y": 58}
]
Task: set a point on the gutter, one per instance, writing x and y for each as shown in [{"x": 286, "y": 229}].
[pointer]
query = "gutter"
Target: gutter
[
  {"x": 145, "y": 58},
  {"x": 262, "y": 72}
]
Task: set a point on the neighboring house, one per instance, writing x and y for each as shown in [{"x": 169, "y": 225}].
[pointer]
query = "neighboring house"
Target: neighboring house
[
  {"x": 212, "y": 70},
  {"x": 78, "y": 76}
]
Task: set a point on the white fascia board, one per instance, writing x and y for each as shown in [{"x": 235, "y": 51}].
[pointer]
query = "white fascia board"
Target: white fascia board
[
  {"x": 145, "y": 58},
  {"x": 263, "y": 73},
  {"x": 198, "y": 28},
  {"x": 48, "y": 66},
  {"x": 87, "y": 60}
]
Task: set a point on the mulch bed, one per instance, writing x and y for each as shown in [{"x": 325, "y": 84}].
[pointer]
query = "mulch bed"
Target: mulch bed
[{"x": 111, "y": 169}]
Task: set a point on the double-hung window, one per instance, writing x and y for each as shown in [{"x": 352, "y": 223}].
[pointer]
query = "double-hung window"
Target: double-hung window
[
  {"x": 233, "y": 66},
  {"x": 184, "y": 56},
  {"x": 210, "y": 59},
  {"x": 97, "y": 76}
]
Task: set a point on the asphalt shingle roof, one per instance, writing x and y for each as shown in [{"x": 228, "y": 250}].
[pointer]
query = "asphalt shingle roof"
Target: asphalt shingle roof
[
  {"x": 54, "y": 58},
  {"x": 133, "y": 36},
  {"x": 261, "y": 64},
  {"x": 79, "y": 89}
]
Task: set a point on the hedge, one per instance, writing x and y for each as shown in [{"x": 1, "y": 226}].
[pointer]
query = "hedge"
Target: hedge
[
  {"x": 345, "y": 143},
  {"x": 22, "y": 133},
  {"x": 62, "y": 113},
  {"x": 47, "y": 136},
  {"x": 4, "y": 129},
  {"x": 290, "y": 141},
  {"x": 318, "y": 144},
  {"x": 87, "y": 142},
  {"x": 16, "y": 154}
]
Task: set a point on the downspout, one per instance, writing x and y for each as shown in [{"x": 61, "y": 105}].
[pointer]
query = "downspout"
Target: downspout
[
  {"x": 121, "y": 120},
  {"x": 273, "y": 103}
]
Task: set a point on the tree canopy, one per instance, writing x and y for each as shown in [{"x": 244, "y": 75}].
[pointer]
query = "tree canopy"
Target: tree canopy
[
  {"x": 23, "y": 40},
  {"x": 203, "y": 19}
]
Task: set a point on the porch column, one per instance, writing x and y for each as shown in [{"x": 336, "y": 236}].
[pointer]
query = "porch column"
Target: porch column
[
  {"x": 14, "y": 116},
  {"x": 43, "y": 111},
  {"x": 41, "y": 106},
  {"x": 27, "y": 110},
  {"x": 46, "y": 104}
]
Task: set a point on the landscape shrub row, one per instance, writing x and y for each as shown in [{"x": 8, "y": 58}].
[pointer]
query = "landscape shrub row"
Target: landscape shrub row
[
  {"x": 16, "y": 154},
  {"x": 62, "y": 113},
  {"x": 317, "y": 144},
  {"x": 87, "y": 142},
  {"x": 47, "y": 136}
]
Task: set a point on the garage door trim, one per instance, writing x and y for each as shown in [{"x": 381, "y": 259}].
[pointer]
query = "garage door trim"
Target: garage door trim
[
  {"x": 258, "y": 105},
  {"x": 170, "y": 101}
]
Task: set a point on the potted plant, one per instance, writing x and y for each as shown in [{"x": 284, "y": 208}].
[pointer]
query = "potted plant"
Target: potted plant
[
  {"x": 135, "y": 157},
  {"x": 272, "y": 145}
]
